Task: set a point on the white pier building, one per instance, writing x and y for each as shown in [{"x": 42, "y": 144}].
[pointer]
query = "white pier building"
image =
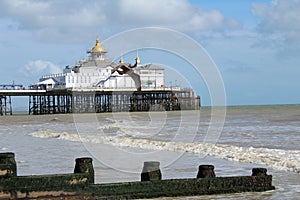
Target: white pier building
[{"x": 95, "y": 73}]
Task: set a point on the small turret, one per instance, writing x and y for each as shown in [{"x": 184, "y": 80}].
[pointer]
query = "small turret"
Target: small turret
[
  {"x": 97, "y": 52},
  {"x": 98, "y": 48}
]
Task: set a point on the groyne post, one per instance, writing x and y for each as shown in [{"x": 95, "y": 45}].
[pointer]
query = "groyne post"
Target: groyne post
[
  {"x": 151, "y": 171},
  {"x": 85, "y": 165},
  {"x": 259, "y": 172},
  {"x": 8, "y": 166},
  {"x": 206, "y": 171}
]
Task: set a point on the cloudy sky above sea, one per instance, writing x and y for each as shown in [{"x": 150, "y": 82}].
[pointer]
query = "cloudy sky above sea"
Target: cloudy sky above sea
[{"x": 255, "y": 44}]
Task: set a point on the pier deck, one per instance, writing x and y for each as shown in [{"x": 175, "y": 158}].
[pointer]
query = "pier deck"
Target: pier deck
[{"x": 21, "y": 92}]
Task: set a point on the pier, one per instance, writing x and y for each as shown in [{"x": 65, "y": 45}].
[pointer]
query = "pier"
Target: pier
[
  {"x": 60, "y": 101},
  {"x": 6, "y": 95},
  {"x": 97, "y": 84}
]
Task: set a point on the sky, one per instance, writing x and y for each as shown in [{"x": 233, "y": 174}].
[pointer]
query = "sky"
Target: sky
[{"x": 255, "y": 44}]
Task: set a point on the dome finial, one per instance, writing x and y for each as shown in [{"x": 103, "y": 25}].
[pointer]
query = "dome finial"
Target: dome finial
[
  {"x": 97, "y": 40},
  {"x": 137, "y": 59},
  {"x": 121, "y": 59}
]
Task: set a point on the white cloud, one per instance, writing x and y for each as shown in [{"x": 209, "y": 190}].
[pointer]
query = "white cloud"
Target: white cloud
[
  {"x": 154, "y": 11},
  {"x": 179, "y": 14},
  {"x": 234, "y": 23},
  {"x": 279, "y": 24},
  {"x": 56, "y": 20},
  {"x": 59, "y": 14},
  {"x": 40, "y": 67},
  {"x": 282, "y": 15},
  {"x": 70, "y": 20}
]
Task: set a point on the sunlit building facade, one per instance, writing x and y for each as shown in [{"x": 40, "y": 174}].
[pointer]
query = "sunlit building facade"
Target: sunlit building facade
[{"x": 96, "y": 72}]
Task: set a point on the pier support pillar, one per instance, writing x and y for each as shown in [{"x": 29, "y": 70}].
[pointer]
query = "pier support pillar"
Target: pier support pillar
[
  {"x": 85, "y": 165},
  {"x": 151, "y": 171},
  {"x": 206, "y": 171},
  {"x": 8, "y": 166}
]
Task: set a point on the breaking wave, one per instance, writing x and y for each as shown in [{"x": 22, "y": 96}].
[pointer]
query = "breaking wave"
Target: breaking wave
[
  {"x": 117, "y": 129},
  {"x": 286, "y": 160}
]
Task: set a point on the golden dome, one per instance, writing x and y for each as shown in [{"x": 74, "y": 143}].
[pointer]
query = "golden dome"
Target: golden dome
[{"x": 98, "y": 48}]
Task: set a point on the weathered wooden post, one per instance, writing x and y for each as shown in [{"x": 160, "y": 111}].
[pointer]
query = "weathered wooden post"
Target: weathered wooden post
[
  {"x": 85, "y": 165},
  {"x": 151, "y": 171},
  {"x": 206, "y": 171},
  {"x": 8, "y": 166},
  {"x": 259, "y": 172}
]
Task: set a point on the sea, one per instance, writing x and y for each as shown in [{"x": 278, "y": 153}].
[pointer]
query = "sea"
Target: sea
[{"x": 234, "y": 139}]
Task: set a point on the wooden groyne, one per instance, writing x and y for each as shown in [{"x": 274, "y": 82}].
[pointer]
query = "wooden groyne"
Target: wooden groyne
[
  {"x": 90, "y": 101},
  {"x": 80, "y": 184}
]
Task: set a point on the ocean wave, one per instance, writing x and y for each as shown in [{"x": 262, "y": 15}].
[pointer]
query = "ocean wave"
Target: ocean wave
[
  {"x": 128, "y": 129},
  {"x": 51, "y": 134},
  {"x": 278, "y": 159},
  {"x": 117, "y": 129}
]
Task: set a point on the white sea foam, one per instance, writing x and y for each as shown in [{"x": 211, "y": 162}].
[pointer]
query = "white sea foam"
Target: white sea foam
[
  {"x": 127, "y": 129},
  {"x": 286, "y": 160},
  {"x": 51, "y": 134},
  {"x": 116, "y": 128},
  {"x": 45, "y": 134}
]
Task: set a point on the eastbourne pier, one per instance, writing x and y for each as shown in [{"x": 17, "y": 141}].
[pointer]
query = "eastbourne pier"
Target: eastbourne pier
[
  {"x": 59, "y": 101},
  {"x": 98, "y": 84}
]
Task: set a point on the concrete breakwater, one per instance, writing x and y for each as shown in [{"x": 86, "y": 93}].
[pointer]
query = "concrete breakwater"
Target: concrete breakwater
[{"x": 80, "y": 184}]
